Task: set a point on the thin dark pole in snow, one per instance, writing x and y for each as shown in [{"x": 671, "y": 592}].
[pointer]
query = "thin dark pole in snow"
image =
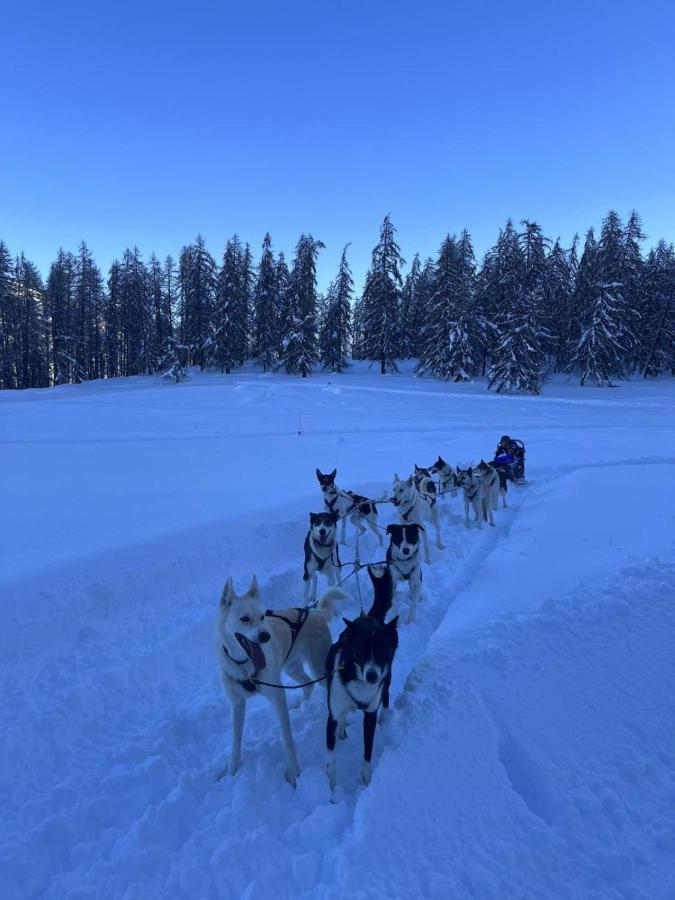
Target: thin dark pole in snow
[{"x": 300, "y": 426}]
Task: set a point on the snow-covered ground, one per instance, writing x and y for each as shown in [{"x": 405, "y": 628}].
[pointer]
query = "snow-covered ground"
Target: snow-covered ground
[{"x": 530, "y": 752}]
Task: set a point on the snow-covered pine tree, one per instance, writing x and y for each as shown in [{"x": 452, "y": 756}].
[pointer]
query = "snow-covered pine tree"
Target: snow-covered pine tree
[
  {"x": 281, "y": 287},
  {"x": 88, "y": 315},
  {"x": 518, "y": 272},
  {"x": 357, "y": 330},
  {"x": 516, "y": 360},
  {"x": 246, "y": 311},
  {"x": 634, "y": 285},
  {"x": 596, "y": 354},
  {"x": 334, "y": 342},
  {"x": 607, "y": 340},
  {"x": 135, "y": 314},
  {"x": 468, "y": 333},
  {"x": 560, "y": 274},
  {"x": 160, "y": 305},
  {"x": 498, "y": 288},
  {"x": 657, "y": 345},
  {"x": 381, "y": 301},
  {"x": 60, "y": 300},
  {"x": 265, "y": 302},
  {"x": 411, "y": 313},
  {"x": 8, "y": 321},
  {"x": 32, "y": 341},
  {"x": 452, "y": 331},
  {"x": 113, "y": 324},
  {"x": 198, "y": 278},
  {"x": 230, "y": 321},
  {"x": 299, "y": 343}
]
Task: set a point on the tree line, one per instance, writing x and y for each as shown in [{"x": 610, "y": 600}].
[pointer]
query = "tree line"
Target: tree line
[{"x": 604, "y": 311}]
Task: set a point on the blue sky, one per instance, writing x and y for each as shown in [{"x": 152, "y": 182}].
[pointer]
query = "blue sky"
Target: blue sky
[{"x": 146, "y": 123}]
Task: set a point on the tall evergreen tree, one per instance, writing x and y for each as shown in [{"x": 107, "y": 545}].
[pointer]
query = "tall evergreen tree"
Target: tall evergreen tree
[
  {"x": 411, "y": 313},
  {"x": 60, "y": 299},
  {"x": 198, "y": 277},
  {"x": 336, "y": 328},
  {"x": 160, "y": 300},
  {"x": 657, "y": 347},
  {"x": 32, "y": 343},
  {"x": 381, "y": 301},
  {"x": 132, "y": 299},
  {"x": 299, "y": 342},
  {"x": 231, "y": 312},
  {"x": 9, "y": 321},
  {"x": 266, "y": 307}
]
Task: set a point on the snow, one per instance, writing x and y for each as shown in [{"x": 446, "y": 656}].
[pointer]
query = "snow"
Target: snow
[{"x": 529, "y": 751}]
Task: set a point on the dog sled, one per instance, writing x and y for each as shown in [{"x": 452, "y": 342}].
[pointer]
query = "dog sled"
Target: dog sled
[{"x": 510, "y": 459}]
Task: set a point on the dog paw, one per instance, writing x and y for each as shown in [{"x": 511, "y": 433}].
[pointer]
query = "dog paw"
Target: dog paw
[
  {"x": 366, "y": 772},
  {"x": 441, "y": 546},
  {"x": 342, "y": 733}
]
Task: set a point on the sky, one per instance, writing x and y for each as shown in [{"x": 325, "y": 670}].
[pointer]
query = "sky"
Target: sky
[{"x": 148, "y": 123}]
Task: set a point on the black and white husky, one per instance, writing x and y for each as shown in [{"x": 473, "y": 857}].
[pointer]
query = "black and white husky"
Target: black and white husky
[
  {"x": 475, "y": 495},
  {"x": 348, "y": 505},
  {"x": 495, "y": 482},
  {"x": 320, "y": 552},
  {"x": 359, "y": 664},
  {"x": 414, "y": 508},
  {"x": 403, "y": 559},
  {"x": 447, "y": 477},
  {"x": 255, "y": 645}
]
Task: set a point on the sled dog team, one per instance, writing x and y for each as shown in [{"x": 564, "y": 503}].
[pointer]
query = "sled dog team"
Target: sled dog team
[{"x": 256, "y": 645}]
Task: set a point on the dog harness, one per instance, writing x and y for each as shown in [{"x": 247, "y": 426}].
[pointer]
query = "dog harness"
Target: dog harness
[
  {"x": 295, "y": 627},
  {"x": 475, "y": 491},
  {"x": 412, "y": 560},
  {"x": 249, "y": 684},
  {"x": 322, "y": 560}
]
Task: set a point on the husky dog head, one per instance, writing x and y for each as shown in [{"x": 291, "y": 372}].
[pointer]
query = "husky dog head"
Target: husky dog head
[
  {"x": 440, "y": 467},
  {"x": 484, "y": 468},
  {"x": 383, "y": 591},
  {"x": 465, "y": 477},
  {"x": 368, "y": 649},
  {"x": 243, "y": 617},
  {"x": 326, "y": 482},
  {"x": 403, "y": 490},
  {"x": 404, "y": 540},
  {"x": 323, "y": 527},
  {"x": 422, "y": 470}
]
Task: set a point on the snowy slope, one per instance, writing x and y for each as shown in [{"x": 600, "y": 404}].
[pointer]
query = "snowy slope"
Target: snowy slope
[{"x": 530, "y": 750}]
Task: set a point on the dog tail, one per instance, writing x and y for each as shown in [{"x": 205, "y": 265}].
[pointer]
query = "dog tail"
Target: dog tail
[{"x": 331, "y": 596}]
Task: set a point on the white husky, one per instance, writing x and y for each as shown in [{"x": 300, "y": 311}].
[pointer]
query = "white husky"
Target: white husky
[
  {"x": 414, "y": 508},
  {"x": 490, "y": 478},
  {"x": 475, "y": 495},
  {"x": 255, "y": 645}
]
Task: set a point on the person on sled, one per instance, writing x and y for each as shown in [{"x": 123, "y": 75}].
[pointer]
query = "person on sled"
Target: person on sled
[{"x": 510, "y": 457}]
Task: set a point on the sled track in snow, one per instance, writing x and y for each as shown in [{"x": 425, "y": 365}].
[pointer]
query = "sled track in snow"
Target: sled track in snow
[{"x": 126, "y": 743}]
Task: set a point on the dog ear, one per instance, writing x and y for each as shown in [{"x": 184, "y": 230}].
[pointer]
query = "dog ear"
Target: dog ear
[
  {"x": 311, "y": 518},
  {"x": 334, "y": 516},
  {"x": 392, "y": 528},
  {"x": 410, "y": 480},
  {"x": 470, "y": 471},
  {"x": 228, "y": 593},
  {"x": 253, "y": 590},
  {"x": 396, "y": 478},
  {"x": 333, "y": 474},
  {"x": 347, "y": 622},
  {"x": 319, "y": 474}
]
